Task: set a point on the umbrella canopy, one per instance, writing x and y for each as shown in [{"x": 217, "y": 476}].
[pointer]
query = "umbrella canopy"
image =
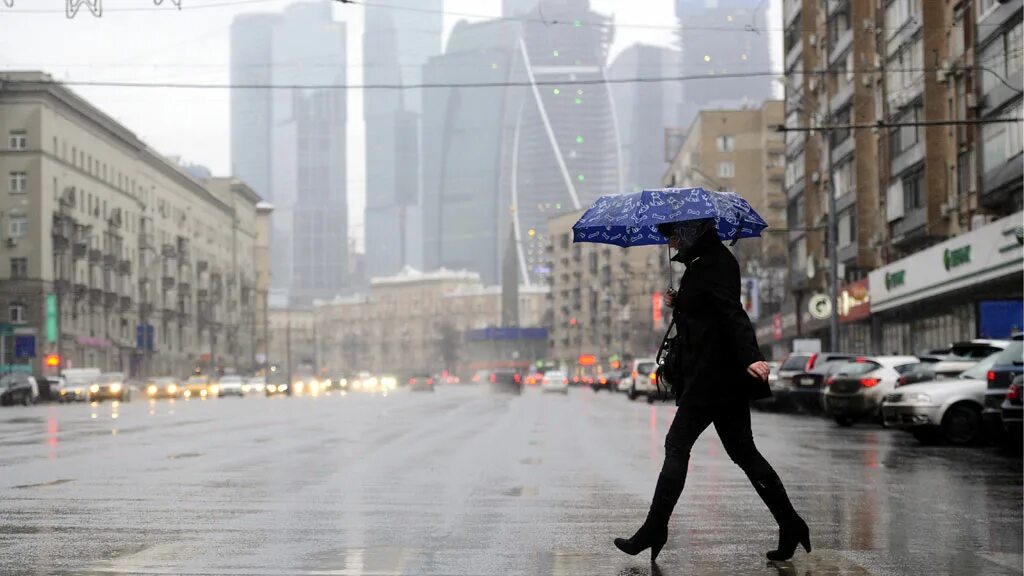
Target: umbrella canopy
[{"x": 632, "y": 219}]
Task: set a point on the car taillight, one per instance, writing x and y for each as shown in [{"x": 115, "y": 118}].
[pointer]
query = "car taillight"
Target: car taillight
[
  {"x": 810, "y": 362},
  {"x": 1013, "y": 394},
  {"x": 831, "y": 379},
  {"x": 634, "y": 374},
  {"x": 861, "y": 360},
  {"x": 901, "y": 382},
  {"x": 430, "y": 381},
  {"x": 493, "y": 378},
  {"x": 654, "y": 377},
  {"x": 991, "y": 376},
  {"x": 565, "y": 380},
  {"x": 517, "y": 378},
  {"x": 869, "y": 382},
  {"x": 412, "y": 381}
]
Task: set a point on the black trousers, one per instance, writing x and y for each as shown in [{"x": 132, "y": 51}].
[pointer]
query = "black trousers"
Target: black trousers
[{"x": 732, "y": 422}]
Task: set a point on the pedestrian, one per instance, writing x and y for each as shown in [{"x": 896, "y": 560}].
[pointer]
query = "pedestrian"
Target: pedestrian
[{"x": 721, "y": 370}]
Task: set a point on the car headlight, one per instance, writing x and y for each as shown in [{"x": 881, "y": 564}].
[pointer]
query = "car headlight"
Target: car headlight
[
  {"x": 203, "y": 393},
  {"x": 917, "y": 399},
  {"x": 299, "y": 386},
  {"x": 172, "y": 388},
  {"x": 214, "y": 389},
  {"x": 115, "y": 387},
  {"x": 151, "y": 389},
  {"x": 245, "y": 388},
  {"x": 188, "y": 393},
  {"x": 271, "y": 388},
  {"x": 282, "y": 387},
  {"x": 94, "y": 388}
]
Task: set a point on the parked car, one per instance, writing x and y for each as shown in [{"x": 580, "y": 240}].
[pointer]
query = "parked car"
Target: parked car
[
  {"x": 945, "y": 409},
  {"x": 793, "y": 365},
  {"x": 230, "y": 385},
  {"x": 1008, "y": 365},
  {"x": 422, "y": 383},
  {"x": 163, "y": 388},
  {"x": 110, "y": 386},
  {"x": 608, "y": 381},
  {"x": 643, "y": 378},
  {"x": 977, "y": 349},
  {"x": 857, "y": 389},
  {"x": 506, "y": 380},
  {"x": 50, "y": 388},
  {"x": 931, "y": 371},
  {"x": 1013, "y": 411},
  {"x": 481, "y": 376},
  {"x": 18, "y": 388},
  {"x": 276, "y": 388},
  {"x": 807, "y": 389},
  {"x": 555, "y": 381}
]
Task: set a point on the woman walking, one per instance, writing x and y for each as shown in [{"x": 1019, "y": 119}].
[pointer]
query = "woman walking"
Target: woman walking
[{"x": 722, "y": 369}]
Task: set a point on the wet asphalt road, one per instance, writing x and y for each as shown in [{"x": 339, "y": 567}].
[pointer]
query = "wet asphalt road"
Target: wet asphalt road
[{"x": 465, "y": 482}]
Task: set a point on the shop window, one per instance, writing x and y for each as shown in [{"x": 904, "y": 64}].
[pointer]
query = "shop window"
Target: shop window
[{"x": 16, "y": 314}]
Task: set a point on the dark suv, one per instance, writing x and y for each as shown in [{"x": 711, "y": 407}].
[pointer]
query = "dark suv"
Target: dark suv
[
  {"x": 1009, "y": 364},
  {"x": 506, "y": 380}
]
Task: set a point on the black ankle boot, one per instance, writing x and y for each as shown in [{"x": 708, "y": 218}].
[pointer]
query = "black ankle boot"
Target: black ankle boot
[
  {"x": 793, "y": 531},
  {"x": 654, "y": 532}
]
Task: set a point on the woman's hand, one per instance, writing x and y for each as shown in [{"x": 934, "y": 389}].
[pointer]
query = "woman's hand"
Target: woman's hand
[
  {"x": 670, "y": 298},
  {"x": 759, "y": 370}
]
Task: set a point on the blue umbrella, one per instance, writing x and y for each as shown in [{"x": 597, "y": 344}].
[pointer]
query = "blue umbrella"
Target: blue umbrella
[{"x": 632, "y": 219}]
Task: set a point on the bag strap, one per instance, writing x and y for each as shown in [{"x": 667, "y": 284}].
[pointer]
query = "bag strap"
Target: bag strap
[{"x": 661, "y": 349}]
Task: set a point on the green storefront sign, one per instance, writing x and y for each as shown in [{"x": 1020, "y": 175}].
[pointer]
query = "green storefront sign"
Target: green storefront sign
[
  {"x": 51, "y": 318},
  {"x": 896, "y": 279},
  {"x": 956, "y": 257}
]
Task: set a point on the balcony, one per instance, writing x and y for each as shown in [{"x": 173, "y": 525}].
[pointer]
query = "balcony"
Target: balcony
[
  {"x": 80, "y": 290},
  {"x": 124, "y": 267},
  {"x": 110, "y": 299},
  {"x": 910, "y": 227},
  {"x": 79, "y": 250},
  {"x": 167, "y": 283},
  {"x": 794, "y": 54},
  {"x": 95, "y": 255},
  {"x": 95, "y": 296},
  {"x": 840, "y": 47},
  {"x": 126, "y": 303},
  {"x": 907, "y": 159},
  {"x": 109, "y": 261},
  {"x": 842, "y": 96},
  {"x": 145, "y": 241},
  {"x": 184, "y": 287}
]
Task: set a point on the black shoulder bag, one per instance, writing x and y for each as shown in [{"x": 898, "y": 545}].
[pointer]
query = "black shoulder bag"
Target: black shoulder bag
[{"x": 669, "y": 372}]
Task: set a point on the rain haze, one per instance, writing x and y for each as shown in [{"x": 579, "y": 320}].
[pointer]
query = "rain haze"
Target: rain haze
[{"x": 512, "y": 287}]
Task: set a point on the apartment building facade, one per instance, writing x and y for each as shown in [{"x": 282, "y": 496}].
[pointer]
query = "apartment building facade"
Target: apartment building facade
[
  {"x": 907, "y": 92},
  {"x": 113, "y": 256}
]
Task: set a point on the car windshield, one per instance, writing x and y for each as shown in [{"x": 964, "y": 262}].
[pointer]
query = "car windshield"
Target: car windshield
[
  {"x": 645, "y": 368},
  {"x": 857, "y": 368},
  {"x": 1012, "y": 356},
  {"x": 555, "y": 375},
  {"x": 980, "y": 370},
  {"x": 972, "y": 350},
  {"x": 795, "y": 362}
]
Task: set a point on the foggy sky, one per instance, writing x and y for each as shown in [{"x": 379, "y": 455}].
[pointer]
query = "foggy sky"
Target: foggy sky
[{"x": 147, "y": 45}]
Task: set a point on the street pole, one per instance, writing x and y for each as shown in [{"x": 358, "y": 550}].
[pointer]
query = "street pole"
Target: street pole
[
  {"x": 831, "y": 237},
  {"x": 288, "y": 349}
]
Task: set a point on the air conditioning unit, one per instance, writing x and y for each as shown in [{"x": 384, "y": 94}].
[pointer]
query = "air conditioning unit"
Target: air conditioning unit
[
  {"x": 877, "y": 240},
  {"x": 972, "y": 100},
  {"x": 12, "y": 242},
  {"x": 812, "y": 84},
  {"x": 812, "y": 39},
  {"x": 815, "y": 177},
  {"x": 866, "y": 80},
  {"x": 944, "y": 210},
  {"x": 942, "y": 73}
]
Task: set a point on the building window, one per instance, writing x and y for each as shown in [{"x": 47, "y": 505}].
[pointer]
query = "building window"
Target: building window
[
  {"x": 726, "y": 170},
  {"x": 19, "y": 267},
  {"x": 776, "y": 160},
  {"x": 18, "y": 140},
  {"x": 913, "y": 191},
  {"x": 845, "y": 179},
  {"x": 795, "y": 214},
  {"x": 16, "y": 314},
  {"x": 847, "y": 228},
  {"x": 1001, "y": 141},
  {"x": 17, "y": 225},
  {"x": 18, "y": 183},
  {"x": 986, "y": 6},
  {"x": 725, "y": 143}
]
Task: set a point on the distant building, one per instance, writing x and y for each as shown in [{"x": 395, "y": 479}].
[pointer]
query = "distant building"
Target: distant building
[
  {"x": 291, "y": 143},
  {"x": 396, "y": 45},
  {"x": 724, "y": 37},
  {"x": 414, "y": 322},
  {"x": 561, "y": 143},
  {"x": 644, "y": 111},
  {"x": 464, "y": 215}
]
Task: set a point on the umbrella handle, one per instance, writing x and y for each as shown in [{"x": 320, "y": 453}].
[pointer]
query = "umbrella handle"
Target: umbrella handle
[{"x": 735, "y": 236}]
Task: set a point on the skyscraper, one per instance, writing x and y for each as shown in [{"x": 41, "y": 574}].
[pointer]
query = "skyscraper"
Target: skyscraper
[
  {"x": 561, "y": 149},
  {"x": 462, "y": 150},
  {"x": 397, "y": 41},
  {"x": 719, "y": 37},
  {"x": 290, "y": 144},
  {"x": 644, "y": 110}
]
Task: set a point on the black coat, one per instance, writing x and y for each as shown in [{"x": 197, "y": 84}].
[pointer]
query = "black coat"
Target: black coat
[{"x": 717, "y": 340}]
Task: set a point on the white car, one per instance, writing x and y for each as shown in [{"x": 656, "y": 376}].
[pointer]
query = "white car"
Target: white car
[
  {"x": 256, "y": 385},
  {"x": 555, "y": 381},
  {"x": 948, "y": 409},
  {"x": 230, "y": 386},
  {"x": 642, "y": 378},
  {"x": 856, "y": 389}
]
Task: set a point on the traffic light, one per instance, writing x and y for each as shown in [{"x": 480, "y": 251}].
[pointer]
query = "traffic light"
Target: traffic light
[{"x": 52, "y": 361}]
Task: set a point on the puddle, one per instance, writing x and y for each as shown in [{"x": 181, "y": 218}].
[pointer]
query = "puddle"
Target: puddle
[
  {"x": 44, "y": 484},
  {"x": 522, "y": 491}
]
